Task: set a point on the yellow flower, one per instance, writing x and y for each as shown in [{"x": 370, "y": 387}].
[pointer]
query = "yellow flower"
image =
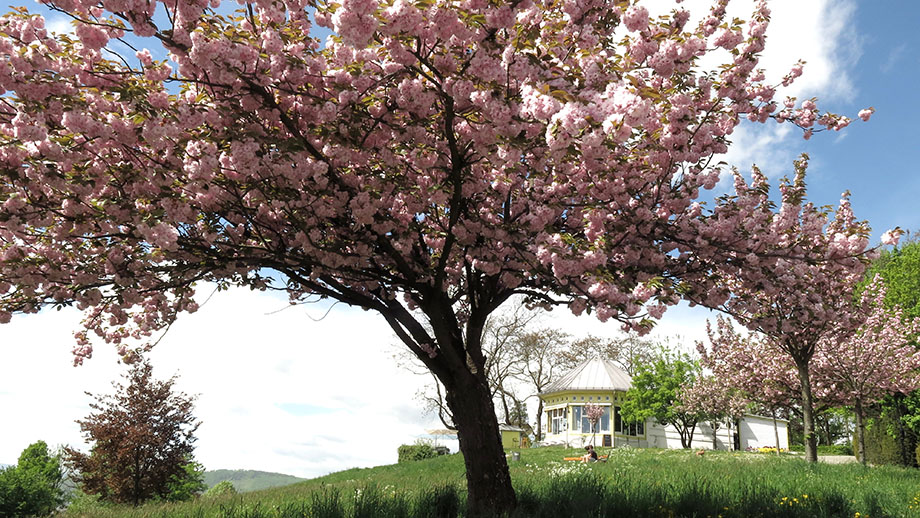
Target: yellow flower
[{"x": 804, "y": 496}]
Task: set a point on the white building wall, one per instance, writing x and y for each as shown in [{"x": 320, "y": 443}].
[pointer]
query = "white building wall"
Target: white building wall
[
  {"x": 757, "y": 432},
  {"x": 668, "y": 437},
  {"x": 754, "y": 432}
]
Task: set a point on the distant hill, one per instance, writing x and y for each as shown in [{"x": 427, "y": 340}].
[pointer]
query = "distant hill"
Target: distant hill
[{"x": 249, "y": 480}]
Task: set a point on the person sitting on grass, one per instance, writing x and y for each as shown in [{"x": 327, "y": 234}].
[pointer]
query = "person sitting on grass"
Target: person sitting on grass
[{"x": 591, "y": 456}]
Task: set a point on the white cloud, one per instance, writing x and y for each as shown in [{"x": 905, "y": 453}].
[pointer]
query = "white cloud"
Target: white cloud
[
  {"x": 58, "y": 24},
  {"x": 817, "y": 32}
]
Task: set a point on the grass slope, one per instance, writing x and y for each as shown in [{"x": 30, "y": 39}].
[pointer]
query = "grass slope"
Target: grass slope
[
  {"x": 245, "y": 480},
  {"x": 656, "y": 483}
]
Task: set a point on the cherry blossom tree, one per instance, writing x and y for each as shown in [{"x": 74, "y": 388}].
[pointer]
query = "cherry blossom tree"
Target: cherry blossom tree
[
  {"x": 881, "y": 358},
  {"x": 430, "y": 161},
  {"x": 797, "y": 303},
  {"x": 762, "y": 371},
  {"x": 594, "y": 413},
  {"x": 751, "y": 364},
  {"x": 714, "y": 401}
]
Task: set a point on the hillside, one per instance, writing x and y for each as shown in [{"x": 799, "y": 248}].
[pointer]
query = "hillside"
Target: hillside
[{"x": 249, "y": 480}]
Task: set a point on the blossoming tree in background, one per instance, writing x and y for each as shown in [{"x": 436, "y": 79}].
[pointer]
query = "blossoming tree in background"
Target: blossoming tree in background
[
  {"x": 761, "y": 372},
  {"x": 797, "y": 303},
  {"x": 716, "y": 402},
  {"x": 880, "y": 358},
  {"x": 431, "y": 161},
  {"x": 593, "y": 413}
]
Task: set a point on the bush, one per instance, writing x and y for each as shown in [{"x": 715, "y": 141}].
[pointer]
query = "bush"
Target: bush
[
  {"x": 835, "y": 449},
  {"x": 222, "y": 488},
  {"x": 881, "y": 446},
  {"x": 411, "y": 452},
  {"x": 827, "y": 449},
  {"x": 188, "y": 484},
  {"x": 84, "y": 504}
]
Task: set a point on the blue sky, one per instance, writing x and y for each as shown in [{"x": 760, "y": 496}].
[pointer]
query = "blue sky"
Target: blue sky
[
  {"x": 876, "y": 161},
  {"x": 280, "y": 391}
]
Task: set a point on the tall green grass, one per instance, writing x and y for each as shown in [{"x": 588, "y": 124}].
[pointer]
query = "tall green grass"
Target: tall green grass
[{"x": 654, "y": 483}]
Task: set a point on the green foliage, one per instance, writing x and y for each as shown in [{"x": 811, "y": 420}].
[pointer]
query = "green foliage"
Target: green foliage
[
  {"x": 187, "y": 484},
  {"x": 222, "y": 488},
  {"x": 653, "y": 483},
  {"x": 900, "y": 268},
  {"x": 33, "y": 486},
  {"x": 655, "y": 391},
  {"x": 413, "y": 452},
  {"x": 827, "y": 449},
  {"x": 881, "y": 444}
]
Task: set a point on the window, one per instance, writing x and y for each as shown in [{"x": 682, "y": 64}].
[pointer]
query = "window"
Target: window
[
  {"x": 583, "y": 424},
  {"x": 633, "y": 429},
  {"x": 557, "y": 418}
]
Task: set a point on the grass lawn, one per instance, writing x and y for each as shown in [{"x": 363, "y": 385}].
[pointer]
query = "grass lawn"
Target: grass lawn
[{"x": 657, "y": 483}]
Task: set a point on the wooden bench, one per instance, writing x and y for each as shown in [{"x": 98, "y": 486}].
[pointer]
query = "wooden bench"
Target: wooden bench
[{"x": 602, "y": 458}]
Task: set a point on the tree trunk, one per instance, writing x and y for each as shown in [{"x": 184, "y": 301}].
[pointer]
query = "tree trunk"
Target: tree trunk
[
  {"x": 489, "y": 489},
  {"x": 686, "y": 436},
  {"x": 860, "y": 433},
  {"x": 775, "y": 431},
  {"x": 728, "y": 431},
  {"x": 808, "y": 413},
  {"x": 538, "y": 433}
]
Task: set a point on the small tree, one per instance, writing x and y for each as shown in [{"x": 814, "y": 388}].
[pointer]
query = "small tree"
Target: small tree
[
  {"x": 538, "y": 355},
  {"x": 187, "y": 484},
  {"x": 593, "y": 413},
  {"x": 33, "y": 486},
  {"x": 715, "y": 402},
  {"x": 141, "y": 441},
  {"x": 655, "y": 392}
]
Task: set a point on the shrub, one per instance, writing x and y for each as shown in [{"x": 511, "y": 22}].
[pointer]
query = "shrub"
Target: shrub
[
  {"x": 187, "y": 484},
  {"x": 881, "y": 446},
  {"x": 835, "y": 449},
  {"x": 220, "y": 489},
  {"x": 85, "y": 504},
  {"x": 411, "y": 452}
]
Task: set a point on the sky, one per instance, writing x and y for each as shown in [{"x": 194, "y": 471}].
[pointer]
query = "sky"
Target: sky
[{"x": 308, "y": 390}]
